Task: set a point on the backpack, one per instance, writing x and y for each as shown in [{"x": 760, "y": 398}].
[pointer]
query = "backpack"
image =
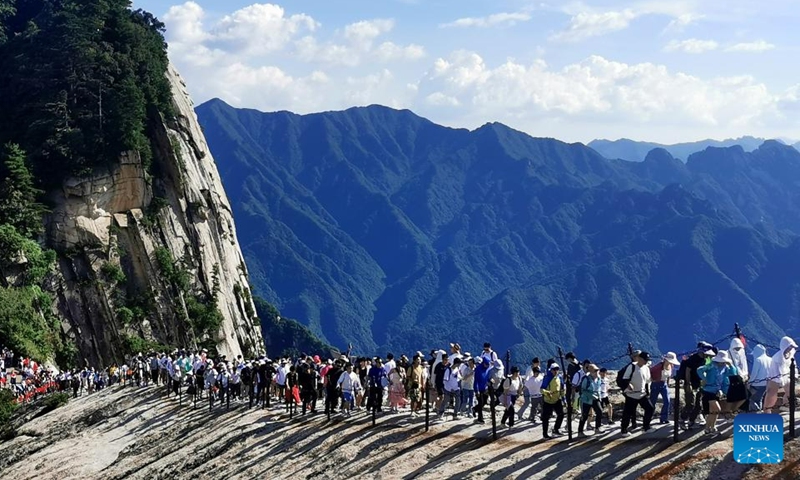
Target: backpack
[
  {"x": 501, "y": 388},
  {"x": 623, "y": 383},
  {"x": 579, "y": 385}
]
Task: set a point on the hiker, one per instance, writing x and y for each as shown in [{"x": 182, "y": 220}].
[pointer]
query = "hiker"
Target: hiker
[
  {"x": 577, "y": 378},
  {"x": 397, "y": 390},
  {"x": 758, "y": 380},
  {"x": 532, "y": 394},
  {"x": 440, "y": 364},
  {"x": 553, "y": 395},
  {"x": 455, "y": 352},
  {"x": 307, "y": 379},
  {"x": 717, "y": 383},
  {"x": 779, "y": 373},
  {"x": 660, "y": 374},
  {"x": 450, "y": 385},
  {"x": 496, "y": 367},
  {"x": 377, "y": 382},
  {"x": 605, "y": 401},
  {"x": 512, "y": 389},
  {"x": 692, "y": 393},
  {"x": 280, "y": 379},
  {"x": 333, "y": 387},
  {"x": 416, "y": 382},
  {"x": 739, "y": 357},
  {"x": 481, "y": 388},
  {"x": 467, "y": 385},
  {"x": 347, "y": 384},
  {"x": 590, "y": 399},
  {"x": 635, "y": 392}
]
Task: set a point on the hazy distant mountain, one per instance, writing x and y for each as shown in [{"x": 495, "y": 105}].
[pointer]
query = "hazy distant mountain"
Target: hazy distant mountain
[
  {"x": 634, "y": 151},
  {"x": 378, "y": 227}
]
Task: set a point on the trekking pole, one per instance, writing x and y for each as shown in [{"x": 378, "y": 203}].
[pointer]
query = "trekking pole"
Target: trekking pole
[
  {"x": 491, "y": 407},
  {"x": 737, "y": 330},
  {"x": 792, "y": 397},
  {"x": 508, "y": 360},
  {"x": 677, "y": 405},
  {"x": 630, "y": 349},
  {"x": 228, "y": 397},
  {"x": 427, "y": 407},
  {"x": 375, "y": 411}
]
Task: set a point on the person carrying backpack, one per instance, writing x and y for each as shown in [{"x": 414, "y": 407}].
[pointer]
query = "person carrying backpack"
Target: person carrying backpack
[
  {"x": 637, "y": 379},
  {"x": 590, "y": 387},
  {"x": 512, "y": 387},
  {"x": 452, "y": 390},
  {"x": 692, "y": 393},
  {"x": 552, "y": 392}
]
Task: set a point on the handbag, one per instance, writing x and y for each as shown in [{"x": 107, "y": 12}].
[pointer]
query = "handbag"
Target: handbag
[{"x": 737, "y": 390}]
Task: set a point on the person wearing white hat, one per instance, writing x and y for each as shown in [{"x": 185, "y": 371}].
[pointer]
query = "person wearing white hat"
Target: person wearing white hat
[
  {"x": 779, "y": 372},
  {"x": 717, "y": 376},
  {"x": 660, "y": 375}
]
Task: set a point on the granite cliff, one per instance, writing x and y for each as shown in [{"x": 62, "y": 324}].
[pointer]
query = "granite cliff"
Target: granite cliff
[{"x": 142, "y": 254}]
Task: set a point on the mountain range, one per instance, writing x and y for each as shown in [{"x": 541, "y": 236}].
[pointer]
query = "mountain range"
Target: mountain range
[
  {"x": 636, "y": 151},
  {"x": 379, "y": 228}
]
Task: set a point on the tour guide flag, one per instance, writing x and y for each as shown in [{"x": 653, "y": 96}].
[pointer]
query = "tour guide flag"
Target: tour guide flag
[{"x": 758, "y": 438}]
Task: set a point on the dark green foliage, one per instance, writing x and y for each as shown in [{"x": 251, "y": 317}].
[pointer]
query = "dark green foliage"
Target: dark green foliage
[
  {"x": 7, "y": 408},
  {"x": 378, "y": 227},
  {"x": 284, "y": 336},
  {"x": 80, "y": 83},
  {"x": 204, "y": 315},
  {"x": 19, "y": 206},
  {"x": 25, "y": 325},
  {"x": 112, "y": 273},
  {"x": 133, "y": 345},
  {"x": 54, "y": 400},
  {"x": 173, "y": 272},
  {"x": 15, "y": 248}
]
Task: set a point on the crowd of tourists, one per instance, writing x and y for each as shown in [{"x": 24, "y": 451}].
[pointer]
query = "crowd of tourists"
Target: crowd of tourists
[{"x": 457, "y": 385}]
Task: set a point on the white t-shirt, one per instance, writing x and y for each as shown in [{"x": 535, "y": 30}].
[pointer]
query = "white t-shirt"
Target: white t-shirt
[
  {"x": 534, "y": 385},
  {"x": 604, "y": 387},
  {"x": 388, "y": 367},
  {"x": 349, "y": 382},
  {"x": 451, "y": 378}
]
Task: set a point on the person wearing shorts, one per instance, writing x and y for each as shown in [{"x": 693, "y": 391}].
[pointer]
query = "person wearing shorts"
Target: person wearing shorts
[{"x": 348, "y": 384}]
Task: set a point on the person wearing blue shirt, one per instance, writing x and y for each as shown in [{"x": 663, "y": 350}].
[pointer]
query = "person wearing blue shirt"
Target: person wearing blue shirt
[{"x": 716, "y": 377}]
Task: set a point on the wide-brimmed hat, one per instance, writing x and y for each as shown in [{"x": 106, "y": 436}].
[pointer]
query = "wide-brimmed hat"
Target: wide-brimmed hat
[
  {"x": 592, "y": 367},
  {"x": 555, "y": 366},
  {"x": 722, "y": 357},
  {"x": 671, "y": 358}
]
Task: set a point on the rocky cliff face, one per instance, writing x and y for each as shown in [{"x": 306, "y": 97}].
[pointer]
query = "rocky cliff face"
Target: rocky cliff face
[{"x": 147, "y": 251}]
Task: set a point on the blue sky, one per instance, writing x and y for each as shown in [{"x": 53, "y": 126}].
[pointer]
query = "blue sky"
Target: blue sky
[{"x": 663, "y": 71}]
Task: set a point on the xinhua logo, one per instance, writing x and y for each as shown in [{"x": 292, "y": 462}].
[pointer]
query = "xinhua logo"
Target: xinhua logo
[{"x": 758, "y": 438}]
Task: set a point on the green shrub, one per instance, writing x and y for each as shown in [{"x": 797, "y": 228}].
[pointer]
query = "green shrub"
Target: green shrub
[
  {"x": 24, "y": 325},
  {"x": 55, "y": 400},
  {"x": 113, "y": 273},
  {"x": 134, "y": 344},
  {"x": 172, "y": 272}
]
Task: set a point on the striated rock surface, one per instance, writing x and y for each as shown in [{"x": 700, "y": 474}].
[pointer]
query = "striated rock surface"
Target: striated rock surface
[{"x": 141, "y": 246}]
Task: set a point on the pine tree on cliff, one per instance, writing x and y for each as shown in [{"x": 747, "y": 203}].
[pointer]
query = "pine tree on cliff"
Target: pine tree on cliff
[{"x": 18, "y": 195}]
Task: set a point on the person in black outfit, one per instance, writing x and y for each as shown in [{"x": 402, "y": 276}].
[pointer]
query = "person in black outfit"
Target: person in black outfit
[
  {"x": 331, "y": 393},
  {"x": 308, "y": 388},
  {"x": 267, "y": 372}
]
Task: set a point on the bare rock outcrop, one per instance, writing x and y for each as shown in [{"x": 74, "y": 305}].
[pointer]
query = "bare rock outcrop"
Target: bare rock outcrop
[{"x": 148, "y": 250}]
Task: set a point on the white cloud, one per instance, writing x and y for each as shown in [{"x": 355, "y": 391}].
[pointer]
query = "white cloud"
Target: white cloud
[
  {"x": 757, "y": 46},
  {"x": 358, "y": 45},
  {"x": 253, "y": 30},
  {"x": 585, "y": 25},
  {"x": 594, "y": 88},
  {"x": 679, "y": 24},
  {"x": 489, "y": 21},
  {"x": 691, "y": 45},
  {"x": 365, "y": 31}
]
